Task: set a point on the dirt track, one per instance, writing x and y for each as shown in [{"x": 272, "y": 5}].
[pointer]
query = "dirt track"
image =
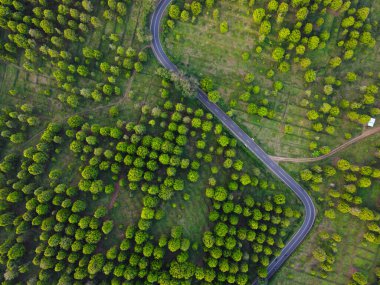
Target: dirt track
[{"x": 364, "y": 135}]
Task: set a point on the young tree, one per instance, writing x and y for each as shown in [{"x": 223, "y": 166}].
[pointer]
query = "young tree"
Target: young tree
[
  {"x": 343, "y": 165},
  {"x": 310, "y": 76},
  {"x": 223, "y": 27},
  {"x": 278, "y": 54},
  {"x": 360, "y": 278},
  {"x": 214, "y": 96},
  {"x": 319, "y": 254},
  {"x": 196, "y": 8},
  {"x": 258, "y": 15},
  {"x": 96, "y": 263}
]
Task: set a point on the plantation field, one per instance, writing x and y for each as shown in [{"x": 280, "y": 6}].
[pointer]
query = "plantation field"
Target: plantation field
[
  {"x": 104, "y": 161},
  {"x": 201, "y": 50},
  {"x": 111, "y": 172},
  {"x": 354, "y": 253}
]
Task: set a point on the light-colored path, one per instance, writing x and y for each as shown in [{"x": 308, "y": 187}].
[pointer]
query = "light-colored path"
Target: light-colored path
[{"x": 365, "y": 134}]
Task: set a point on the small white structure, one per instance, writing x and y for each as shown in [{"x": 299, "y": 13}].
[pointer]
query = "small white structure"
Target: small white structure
[{"x": 371, "y": 122}]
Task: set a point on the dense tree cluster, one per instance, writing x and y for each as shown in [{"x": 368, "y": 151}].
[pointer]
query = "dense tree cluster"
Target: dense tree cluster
[
  {"x": 249, "y": 99},
  {"x": 188, "y": 12},
  {"x": 14, "y": 123},
  {"x": 25, "y": 203},
  {"x": 241, "y": 226},
  {"x": 59, "y": 230},
  {"x": 48, "y": 33},
  {"x": 307, "y": 32}
]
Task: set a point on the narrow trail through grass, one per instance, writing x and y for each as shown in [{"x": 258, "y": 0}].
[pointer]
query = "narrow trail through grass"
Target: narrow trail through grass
[{"x": 355, "y": 140}]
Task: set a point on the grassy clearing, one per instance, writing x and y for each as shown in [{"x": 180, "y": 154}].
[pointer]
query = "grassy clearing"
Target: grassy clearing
[{"x": 192, "y": 215}]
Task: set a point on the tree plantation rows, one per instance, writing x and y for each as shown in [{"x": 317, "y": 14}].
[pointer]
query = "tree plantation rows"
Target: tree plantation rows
[
  {"x": 49, "y": 34},
  {"x": 111, "y": 172},
  {"x": 347, "y": 184},
  {"x": 57, "y": 230},
  {"x": 324, "y": 253},
  {"x": 301, "y": 78},
  {"x": 300, "y": 31},
  {"x": 295, "y": 38}
]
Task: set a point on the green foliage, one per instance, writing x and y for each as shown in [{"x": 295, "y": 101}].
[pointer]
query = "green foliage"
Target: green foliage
[
  {"x": 16, "y": 251},
  {"x": 76, "y": 229},
  {"x": 310, "y": 76},
  {"x": 95, "y": 264},
  {"x": 258, "y": 15},
  {"x": 278, "y": 54},
  {"x": 214, "y": 96},
  {"x": 224, "y": 27},
  {"x": 107, "y": 227},
  {"x": 174, "y": 12}
]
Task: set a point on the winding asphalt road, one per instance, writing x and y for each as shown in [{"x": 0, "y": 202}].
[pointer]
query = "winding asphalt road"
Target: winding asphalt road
[{"x": 238, "y": 133}]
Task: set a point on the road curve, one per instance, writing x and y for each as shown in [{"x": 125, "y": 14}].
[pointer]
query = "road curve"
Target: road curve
[{"x": 238, "y": 133}]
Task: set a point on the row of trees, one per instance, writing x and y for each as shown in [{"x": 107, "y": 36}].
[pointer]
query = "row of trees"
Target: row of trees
[
  {"x": 189, "y": 12},
  {"x": 325, "y": 253},
  {"x": 21, "y": 192},
  {"x": 303, "y": 33},
  {"x": 14, "y": 123},
  {"x": 48, "y": 34}
]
